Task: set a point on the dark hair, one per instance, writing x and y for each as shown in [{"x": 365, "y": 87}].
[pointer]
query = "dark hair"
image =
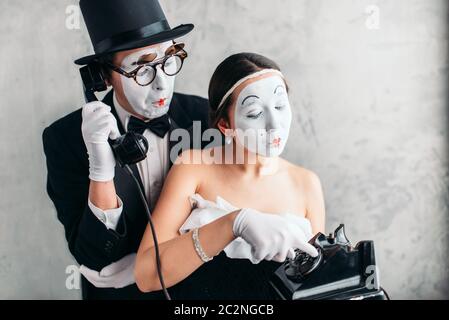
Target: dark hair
[{"x": 228, "y": 72}]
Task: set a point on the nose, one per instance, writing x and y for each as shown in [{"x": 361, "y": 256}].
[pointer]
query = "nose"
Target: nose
[
  {"x": 273, "y": 121},
  {"x": 160, "y": 82}
]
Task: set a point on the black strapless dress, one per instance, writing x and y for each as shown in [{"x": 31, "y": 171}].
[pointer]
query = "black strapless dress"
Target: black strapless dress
[{"x": 225, "y": 278}]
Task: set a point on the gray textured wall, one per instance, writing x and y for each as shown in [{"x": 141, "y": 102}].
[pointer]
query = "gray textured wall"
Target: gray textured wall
[{"x": 370, "y": 110}]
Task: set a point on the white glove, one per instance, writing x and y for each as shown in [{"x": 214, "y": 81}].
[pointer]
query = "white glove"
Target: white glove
[
  {"x": 98, "y": 125},
  {"x": 271, "y": 237},
  {"x": 116, "y": 275}
]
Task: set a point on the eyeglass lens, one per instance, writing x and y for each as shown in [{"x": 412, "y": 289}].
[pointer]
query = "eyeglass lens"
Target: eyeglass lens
[{"x": 170, "y": 67}]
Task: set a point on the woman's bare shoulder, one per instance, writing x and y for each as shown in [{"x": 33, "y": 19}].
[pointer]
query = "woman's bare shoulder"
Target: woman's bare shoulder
[
  {"x": 310, "y": 185},
  {"x": 195, "y": 161},
  {"x": 306, "y": 177},
  {"x": 194, "y": 166},
  {"x": 187, "y": 156},
  {"x": 200, "y": 157}
]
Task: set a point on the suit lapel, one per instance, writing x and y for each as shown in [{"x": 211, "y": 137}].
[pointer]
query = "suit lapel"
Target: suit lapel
[
  {"x": 127, "y": 190},
  {"x": 171, "y": 144},
  {"x": 182, "y": 122}
]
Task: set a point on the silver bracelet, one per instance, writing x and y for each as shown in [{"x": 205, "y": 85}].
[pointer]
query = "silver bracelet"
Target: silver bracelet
[{"x": 198, "y": 248}]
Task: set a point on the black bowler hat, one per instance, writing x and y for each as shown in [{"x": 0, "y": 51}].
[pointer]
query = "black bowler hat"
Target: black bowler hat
[{"x": 117, "y": 25}]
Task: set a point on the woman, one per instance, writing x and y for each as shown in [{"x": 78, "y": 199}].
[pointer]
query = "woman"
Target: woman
[{"x": 249, "y": 105}]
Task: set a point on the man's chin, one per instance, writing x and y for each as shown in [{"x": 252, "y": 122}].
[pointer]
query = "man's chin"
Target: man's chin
[{"x": 155, "y": 112}]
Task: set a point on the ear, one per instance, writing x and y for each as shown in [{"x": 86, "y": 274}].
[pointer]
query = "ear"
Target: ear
[{"x": 223, "y": 126}]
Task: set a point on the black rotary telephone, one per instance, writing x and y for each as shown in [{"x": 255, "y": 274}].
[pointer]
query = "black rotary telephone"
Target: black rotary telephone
[
  {"x": 339, "y": 272},
  {"x": 128, "y": 149}
]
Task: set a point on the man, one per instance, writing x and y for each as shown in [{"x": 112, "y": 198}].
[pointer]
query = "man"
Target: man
[{"x": 95, "y": 199}]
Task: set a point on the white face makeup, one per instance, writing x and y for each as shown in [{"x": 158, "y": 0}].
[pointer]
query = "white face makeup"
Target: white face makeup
[
  {"x": 263, "y": 116},
  {"x": 153, "y": 100}
]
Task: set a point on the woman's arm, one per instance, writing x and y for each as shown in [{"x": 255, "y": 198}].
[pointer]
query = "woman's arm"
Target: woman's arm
[
  {"x": 177, "y": 252},
  {"x": 315, "y": 203}
]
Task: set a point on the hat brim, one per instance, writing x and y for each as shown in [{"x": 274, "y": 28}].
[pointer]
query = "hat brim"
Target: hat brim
[{"x": 174, "y": 33}]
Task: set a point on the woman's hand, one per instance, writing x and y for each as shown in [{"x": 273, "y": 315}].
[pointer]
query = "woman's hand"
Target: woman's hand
[{"x": 271, "y": 237}]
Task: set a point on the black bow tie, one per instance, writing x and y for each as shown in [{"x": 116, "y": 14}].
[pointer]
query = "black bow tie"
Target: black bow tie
[{"x": 159, "y": 126}]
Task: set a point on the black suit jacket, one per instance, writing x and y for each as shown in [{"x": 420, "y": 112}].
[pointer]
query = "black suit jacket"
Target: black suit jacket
[{"x": 89, "y": 241}]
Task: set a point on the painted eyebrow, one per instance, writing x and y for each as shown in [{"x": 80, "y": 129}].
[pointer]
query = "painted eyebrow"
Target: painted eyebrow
[
  {"x": 145, "y": 59},
  {"x": 250, "y": 96},
  {"x": 279, "y": 86}
]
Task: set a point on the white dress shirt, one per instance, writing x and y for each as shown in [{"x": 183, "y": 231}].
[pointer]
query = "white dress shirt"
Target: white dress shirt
[{"x": 152, "y": 170}]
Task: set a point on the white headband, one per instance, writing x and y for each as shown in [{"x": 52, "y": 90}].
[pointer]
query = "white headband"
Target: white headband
[{"x": 250, "y": 76}]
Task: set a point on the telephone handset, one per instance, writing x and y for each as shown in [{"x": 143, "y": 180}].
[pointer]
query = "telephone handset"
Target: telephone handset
[{"x": 129, "y": 148}]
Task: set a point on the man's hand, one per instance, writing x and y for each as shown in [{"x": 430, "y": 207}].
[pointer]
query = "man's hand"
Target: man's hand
[
  {"x": 271, "y": 237},
  {"x": 116, "y": 275},
  {"x": 97, "y": 127}
]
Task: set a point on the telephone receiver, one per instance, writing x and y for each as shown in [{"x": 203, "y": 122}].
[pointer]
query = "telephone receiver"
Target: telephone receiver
[{"x": 129, "y": 148}]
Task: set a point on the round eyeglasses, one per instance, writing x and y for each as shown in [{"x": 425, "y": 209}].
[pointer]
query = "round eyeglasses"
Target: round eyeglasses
[{"x": 145, "y": 74}]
